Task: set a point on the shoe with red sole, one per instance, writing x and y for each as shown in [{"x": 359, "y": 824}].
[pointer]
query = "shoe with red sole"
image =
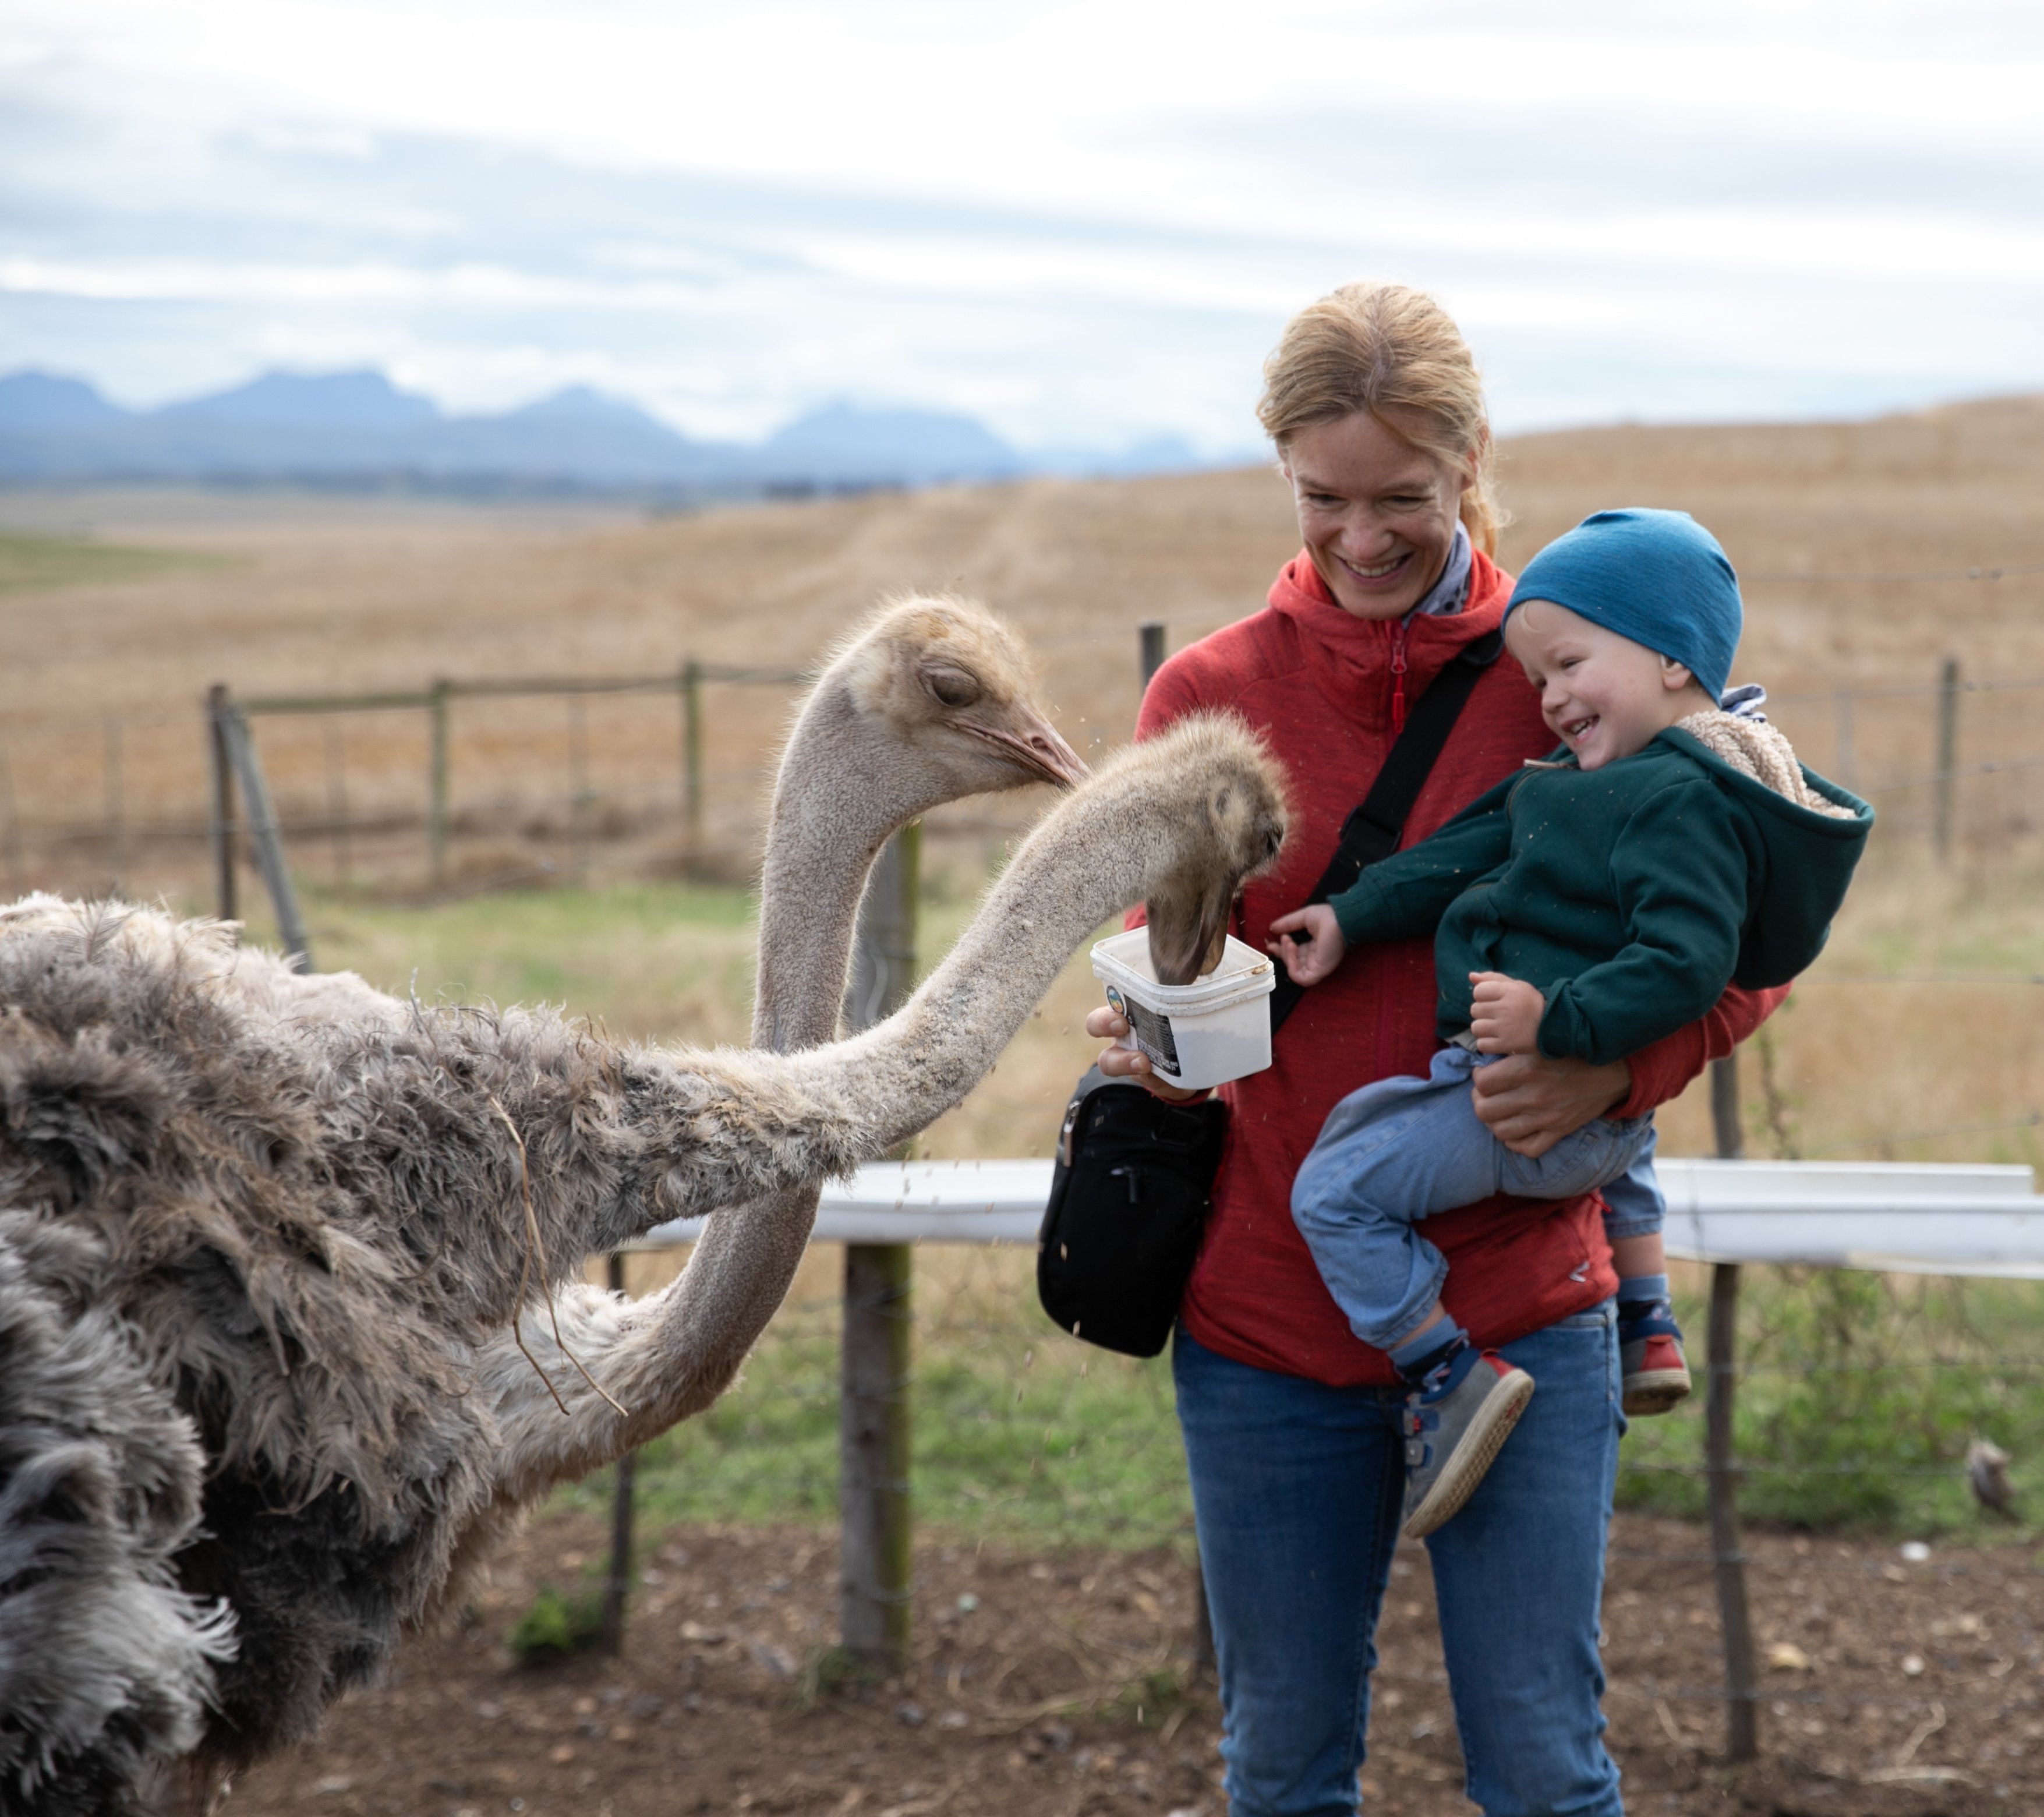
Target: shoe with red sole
[
  {"x": 1649, "y": 1353},
  {"x": 1462, "y": 1411}
]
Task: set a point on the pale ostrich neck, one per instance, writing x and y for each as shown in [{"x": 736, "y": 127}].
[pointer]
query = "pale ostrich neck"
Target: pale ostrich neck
[
  {"x": 840, "y": 792},
  {"x": 844, "y": 786},
  {"x": 1090, "y": 859}
]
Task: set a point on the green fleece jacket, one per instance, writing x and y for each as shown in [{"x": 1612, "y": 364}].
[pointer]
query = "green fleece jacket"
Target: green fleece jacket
[{"x": 1631, "y": 894}]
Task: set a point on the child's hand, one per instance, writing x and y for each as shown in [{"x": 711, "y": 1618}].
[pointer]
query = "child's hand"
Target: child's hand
[
  {"x": 1505, "y": 1015},
  {"x": 1315, "y": 958}
]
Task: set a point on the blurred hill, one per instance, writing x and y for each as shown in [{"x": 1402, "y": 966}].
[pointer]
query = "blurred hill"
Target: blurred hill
[{"x": 358, "y": 431}]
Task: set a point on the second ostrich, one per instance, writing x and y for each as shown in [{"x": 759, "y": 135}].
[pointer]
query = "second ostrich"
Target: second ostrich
[{"x": 303, "y": 1233}]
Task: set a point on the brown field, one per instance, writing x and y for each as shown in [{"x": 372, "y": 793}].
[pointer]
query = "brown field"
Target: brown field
[
  {"x": 280, "y": 595},
  {"x": 294, "y": 596}
]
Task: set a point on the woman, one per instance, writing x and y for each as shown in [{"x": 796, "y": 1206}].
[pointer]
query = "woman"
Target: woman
[{"x": 1291, "y": 1424}]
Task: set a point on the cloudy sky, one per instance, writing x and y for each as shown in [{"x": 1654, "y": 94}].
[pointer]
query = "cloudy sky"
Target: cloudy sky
[{"x": 1083, "y": 221}]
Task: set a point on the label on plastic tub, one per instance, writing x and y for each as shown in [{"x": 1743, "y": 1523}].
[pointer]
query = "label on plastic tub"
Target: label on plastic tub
[
  {"x": 1153, "y": 1035},
  {"x": 1150, "y": 1028}
]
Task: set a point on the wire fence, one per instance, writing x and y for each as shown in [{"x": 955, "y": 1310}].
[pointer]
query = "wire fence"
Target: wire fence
[{"x": 433, "y": 788}]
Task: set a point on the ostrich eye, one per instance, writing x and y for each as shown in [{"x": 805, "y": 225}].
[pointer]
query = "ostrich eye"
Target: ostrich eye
[{"x": 954, "y": 687}]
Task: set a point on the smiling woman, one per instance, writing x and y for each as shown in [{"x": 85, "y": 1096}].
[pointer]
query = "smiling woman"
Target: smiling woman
[{"x": 1296, "y": 1429}]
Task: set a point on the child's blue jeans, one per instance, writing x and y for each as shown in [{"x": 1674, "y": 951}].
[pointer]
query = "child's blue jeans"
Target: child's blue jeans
[{"x": 1403, "y": 1149}]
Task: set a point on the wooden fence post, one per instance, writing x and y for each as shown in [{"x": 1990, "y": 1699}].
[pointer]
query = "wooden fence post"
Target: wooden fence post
[
  {"x": 1150, "y": 649},
  {"x": 876, "y": 1543},
  {"x": 692, "y": 756},
  {"x": 266, "y": 835},
  {"x": 579, "y": 783},
  {"x": 337, "y": 804},
  {"x": 436, "y": 783},
  {"x": 617, "y": 1585},
  {"x": 17, "y": 878},
  {"x": 220, "y": 802},
  {"x": 1845, "y": 758},
  {"x": 117, "y": 831},
  {"x": 1741, "y": 1702},
  {"x": 1948, "y": 755}
]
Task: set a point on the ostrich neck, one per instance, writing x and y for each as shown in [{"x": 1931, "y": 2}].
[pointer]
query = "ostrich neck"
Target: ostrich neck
[
  {"x": 1095, "y": 855},
  {"x": 840, "y": 794},
  {"x": 836, "y": 799},
  {"x": 767, "y": 1126}
]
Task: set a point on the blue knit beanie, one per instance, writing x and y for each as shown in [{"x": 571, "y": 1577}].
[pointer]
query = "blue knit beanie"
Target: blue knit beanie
[{"x": 1656, "y": 577}]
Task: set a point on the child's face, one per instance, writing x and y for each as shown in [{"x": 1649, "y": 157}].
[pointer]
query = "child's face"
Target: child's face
[{"x": 1602, "y": 695}]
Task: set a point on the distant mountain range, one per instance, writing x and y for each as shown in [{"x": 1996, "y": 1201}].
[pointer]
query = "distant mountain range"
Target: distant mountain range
[{"x": 358, "y": 430}]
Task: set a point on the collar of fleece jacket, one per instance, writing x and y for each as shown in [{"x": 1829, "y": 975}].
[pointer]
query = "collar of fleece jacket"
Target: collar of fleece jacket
[{"x": 1364, "y": 667}]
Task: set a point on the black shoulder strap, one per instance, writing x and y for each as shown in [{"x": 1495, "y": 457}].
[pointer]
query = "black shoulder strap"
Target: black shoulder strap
[{"x": 1372, "y": 830}]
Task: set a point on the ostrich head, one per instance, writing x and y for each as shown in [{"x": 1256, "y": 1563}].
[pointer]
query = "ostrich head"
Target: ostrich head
[
  {"x": 954, "y": 685},
  {"x": 1241, "y": 799}
]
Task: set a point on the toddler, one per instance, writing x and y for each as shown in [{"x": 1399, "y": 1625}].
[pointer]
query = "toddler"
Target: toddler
[{"x": 1586, "y": 906}]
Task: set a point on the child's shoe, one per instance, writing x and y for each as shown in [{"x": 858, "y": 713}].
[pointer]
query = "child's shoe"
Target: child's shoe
[
  {"x": 1649, "y": 1352},
  {"x": 1462, "y": 1411}
]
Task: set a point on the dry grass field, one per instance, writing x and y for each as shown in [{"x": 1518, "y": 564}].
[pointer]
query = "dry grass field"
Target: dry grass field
[
  {"x": 366, "y": 595},
  {"x": 111, "y": 638}
]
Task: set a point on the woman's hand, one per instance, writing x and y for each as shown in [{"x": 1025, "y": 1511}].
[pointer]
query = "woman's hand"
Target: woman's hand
[
  {"x": 1128, "y": 1062},
  {"x": 1530, "y": 1102},
  {"x": 1315, "y": 957}
]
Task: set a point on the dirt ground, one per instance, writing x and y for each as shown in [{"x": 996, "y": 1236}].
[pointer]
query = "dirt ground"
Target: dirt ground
[{"x": 1058, "y": 1684}]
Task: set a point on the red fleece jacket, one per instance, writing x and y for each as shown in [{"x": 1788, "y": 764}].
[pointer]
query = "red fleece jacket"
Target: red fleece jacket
[{"x": 1327, "y": 690}]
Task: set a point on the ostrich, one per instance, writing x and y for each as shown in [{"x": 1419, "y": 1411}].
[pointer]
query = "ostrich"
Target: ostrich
[
  {"x": 933, "y": 700},
  {"x": 291, "y": 1242}
]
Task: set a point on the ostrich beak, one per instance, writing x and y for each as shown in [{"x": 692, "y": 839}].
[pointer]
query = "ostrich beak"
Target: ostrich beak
[
  {"x": 1029, "y": 740},
  {"x": 1188, "y": 939}
]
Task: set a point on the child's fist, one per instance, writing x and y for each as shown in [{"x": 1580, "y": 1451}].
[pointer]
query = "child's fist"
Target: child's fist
[
  {"x": 1314, "y": 957},
  {"x": 1505, "y": 1014}
]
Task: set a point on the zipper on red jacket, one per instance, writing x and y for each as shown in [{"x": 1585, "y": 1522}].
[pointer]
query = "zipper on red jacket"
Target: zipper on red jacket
[{"x": 1397, "y": 630}]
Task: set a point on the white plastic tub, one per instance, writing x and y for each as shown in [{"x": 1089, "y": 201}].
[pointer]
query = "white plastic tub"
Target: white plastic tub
[{"x": 1197, "y": 1035}]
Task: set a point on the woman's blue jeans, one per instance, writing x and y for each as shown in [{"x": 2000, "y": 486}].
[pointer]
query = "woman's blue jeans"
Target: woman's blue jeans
[{"x": 1297, "y": 1489}]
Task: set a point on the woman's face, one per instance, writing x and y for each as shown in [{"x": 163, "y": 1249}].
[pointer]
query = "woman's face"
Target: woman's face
[{"x": 1376, "y": 515}]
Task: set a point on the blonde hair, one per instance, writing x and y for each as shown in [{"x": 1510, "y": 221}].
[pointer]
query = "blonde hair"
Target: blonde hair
[{"x": 1393, "y": 351}]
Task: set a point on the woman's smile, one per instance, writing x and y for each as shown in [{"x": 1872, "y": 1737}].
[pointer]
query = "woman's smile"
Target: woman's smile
[{"x": 1380, "y": 570}]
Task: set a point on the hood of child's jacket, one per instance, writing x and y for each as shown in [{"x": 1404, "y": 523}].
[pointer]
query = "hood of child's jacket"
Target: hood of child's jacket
[{"x": 1809, "y": 861}]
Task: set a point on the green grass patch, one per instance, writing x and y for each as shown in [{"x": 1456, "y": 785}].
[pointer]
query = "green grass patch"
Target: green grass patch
[
  {"x": 1863, "y": 1392},
  {"x": 556, "y": 1624},
  {"x": 30, "y": 563},
  {"x": 639, "y": 960},
  {"x": 1018, "y": 1431},
  {"x": 1858, "y": 1396}
]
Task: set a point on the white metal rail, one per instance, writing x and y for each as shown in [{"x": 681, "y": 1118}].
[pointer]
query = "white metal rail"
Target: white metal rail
[{"x": 1975, "y": 1220}]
